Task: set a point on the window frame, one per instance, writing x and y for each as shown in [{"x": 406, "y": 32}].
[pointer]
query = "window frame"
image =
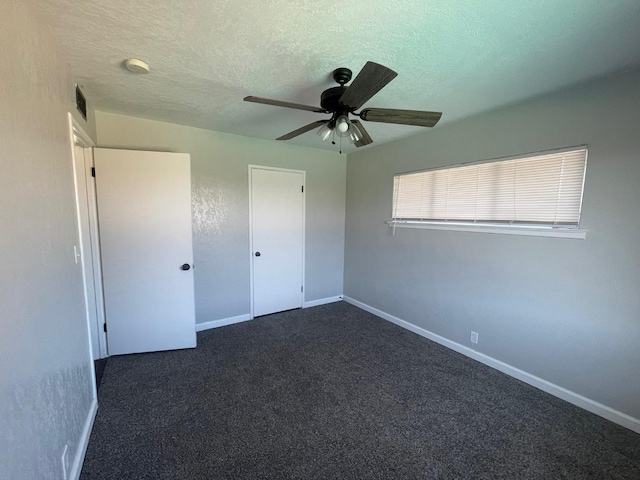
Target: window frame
[{"x": 497, "y": 227}]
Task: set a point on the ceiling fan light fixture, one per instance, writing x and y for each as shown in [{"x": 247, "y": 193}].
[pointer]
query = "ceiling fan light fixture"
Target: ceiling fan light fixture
[
  {"x": 354, "y": 134},
  {"x": 324, "y": 132},
  {"x": 342, "y": 125}
]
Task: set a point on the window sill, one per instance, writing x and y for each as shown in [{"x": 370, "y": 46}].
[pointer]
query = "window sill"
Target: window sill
[{"x": 511, "y": 230}]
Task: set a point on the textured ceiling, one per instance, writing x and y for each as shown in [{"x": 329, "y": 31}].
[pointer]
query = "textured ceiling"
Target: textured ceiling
[{"x": 456, "y": 56}]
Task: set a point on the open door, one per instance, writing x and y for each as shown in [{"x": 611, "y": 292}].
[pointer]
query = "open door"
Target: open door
[
  {"x": 88, "y": 250},
  {"x": 144, "y": 216}
]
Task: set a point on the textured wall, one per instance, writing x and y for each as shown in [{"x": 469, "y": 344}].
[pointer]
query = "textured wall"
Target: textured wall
[
  {"x": 565, "y": 310},
  {"x": 46, "y": 390},
  {"x": 221, "y": 206}
]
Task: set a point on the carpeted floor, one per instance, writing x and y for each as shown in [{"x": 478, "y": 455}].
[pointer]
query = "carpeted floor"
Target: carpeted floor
[{"x": 333, "y": 392}]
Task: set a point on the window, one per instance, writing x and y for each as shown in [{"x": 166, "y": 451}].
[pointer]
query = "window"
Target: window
[{"x": 542, "y": 190}]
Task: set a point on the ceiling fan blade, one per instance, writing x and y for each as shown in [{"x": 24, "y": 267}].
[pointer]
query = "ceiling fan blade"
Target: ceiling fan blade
[
  {"x": 403, "y": 117},
  {"x": 371, "y": 79},
  {"x": 278, "y": 103},
  {"x": 302, "y": 130},
  {"x": 366, "y": 138}
]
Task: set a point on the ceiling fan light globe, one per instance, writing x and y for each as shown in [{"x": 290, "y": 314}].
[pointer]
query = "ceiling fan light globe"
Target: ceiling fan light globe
[
  {"x": 324, "y": 133},
  {"x": 354, "y": 135},
  {"x": 342, "y": 125}
]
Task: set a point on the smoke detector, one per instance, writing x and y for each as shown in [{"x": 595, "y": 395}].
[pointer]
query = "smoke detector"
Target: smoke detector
[{"x": 136, "y": 66}]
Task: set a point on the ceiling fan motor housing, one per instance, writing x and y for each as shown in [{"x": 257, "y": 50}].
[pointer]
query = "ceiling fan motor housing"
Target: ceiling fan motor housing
[{"x": 330, "y": 98}]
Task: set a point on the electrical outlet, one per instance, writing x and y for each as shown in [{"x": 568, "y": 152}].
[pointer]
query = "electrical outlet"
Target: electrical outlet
[
  {"x": 474, "y": 337},
  {"x": 65, "y": 462}
]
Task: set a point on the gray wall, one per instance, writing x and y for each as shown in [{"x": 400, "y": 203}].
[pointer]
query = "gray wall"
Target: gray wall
[
  {"x": 46, "y": 390},
  {"x": 221, "y": 206},
  {"x": 565, "y": 310}
]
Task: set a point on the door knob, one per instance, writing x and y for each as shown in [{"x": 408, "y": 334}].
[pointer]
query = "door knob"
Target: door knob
[
  {"x": 186, "y": 266},
  {"x": 257, "y": 254}
]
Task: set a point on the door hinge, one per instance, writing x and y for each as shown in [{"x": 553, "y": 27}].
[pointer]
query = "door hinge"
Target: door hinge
[
  {"x": 93, "y": 171},
  {"x": 301, "y": 289},
  {"x": 302, "y": 188},
  {"x": 104, "y": 326}
]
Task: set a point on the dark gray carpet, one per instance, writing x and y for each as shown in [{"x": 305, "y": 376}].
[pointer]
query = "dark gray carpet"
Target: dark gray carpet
[{"x": 333, "y": 392}]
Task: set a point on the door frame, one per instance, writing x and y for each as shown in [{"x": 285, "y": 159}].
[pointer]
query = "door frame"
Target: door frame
[
  {"x": 79, "y": 137},
  {"x": 252, "y": 167}
]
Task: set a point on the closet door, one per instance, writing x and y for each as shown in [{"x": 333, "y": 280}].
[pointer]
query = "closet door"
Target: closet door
[
  {"x": 277, "y": 239},
  {"x": 144, "y": 216}
]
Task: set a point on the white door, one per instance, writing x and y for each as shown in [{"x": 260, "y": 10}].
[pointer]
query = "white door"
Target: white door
[
  {"x": 89, "y": 247},
  {"x": 94, "y": 315},
  {"x": 277, "y": 239},
  {"x": 144, "y": 215}
]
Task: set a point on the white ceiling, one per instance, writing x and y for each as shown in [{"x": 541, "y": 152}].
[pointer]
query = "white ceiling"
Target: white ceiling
[{"x": 460, "y": 57}]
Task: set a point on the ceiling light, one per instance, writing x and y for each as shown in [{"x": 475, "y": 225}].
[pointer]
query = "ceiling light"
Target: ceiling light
[
  {"x": 324, "y": 132},
  {"x": 136, "y": 66},
  {"x": 342, "y": 125},
  {"x": 354, "y": 134}
]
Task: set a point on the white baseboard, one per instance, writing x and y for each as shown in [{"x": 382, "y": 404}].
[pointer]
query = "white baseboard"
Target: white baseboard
[
  {"x": 76, "y": 468},
  {"x": 243, "y": 318},
  {"x": 576, "y": 399},
  {"x": 222, "y": 323},
  {"x": 322, "y": 301}
]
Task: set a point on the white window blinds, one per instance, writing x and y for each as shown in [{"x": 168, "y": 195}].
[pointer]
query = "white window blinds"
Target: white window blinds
[{"x": 542, "y": 190}]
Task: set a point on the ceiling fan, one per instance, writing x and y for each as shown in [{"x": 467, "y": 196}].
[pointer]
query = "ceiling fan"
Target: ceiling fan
[{"x": 343, "y": 100}]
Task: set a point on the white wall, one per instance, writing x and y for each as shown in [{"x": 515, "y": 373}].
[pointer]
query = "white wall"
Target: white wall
[
  {"x": 219, "y": 165},
  {"x": 565, "y": 310},
  {"x": 46, "y": 391}
]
